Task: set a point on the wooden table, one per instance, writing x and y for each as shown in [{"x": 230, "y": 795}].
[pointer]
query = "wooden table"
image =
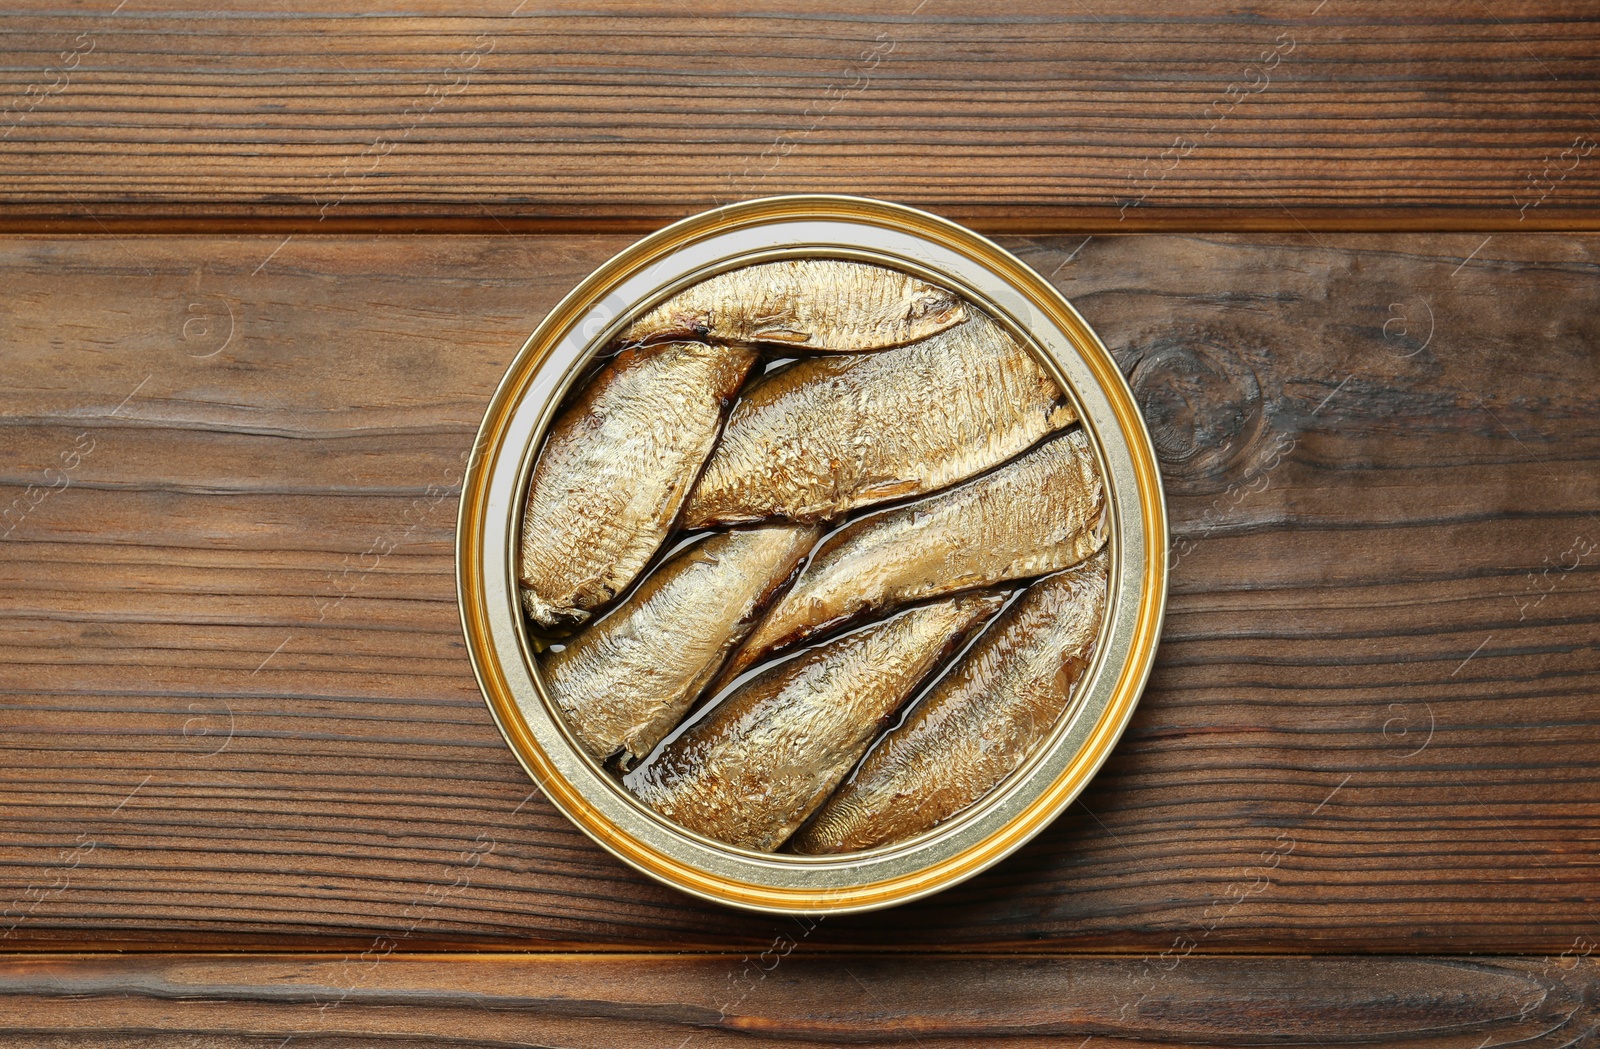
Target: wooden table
[{"x": 264, "y": 264}]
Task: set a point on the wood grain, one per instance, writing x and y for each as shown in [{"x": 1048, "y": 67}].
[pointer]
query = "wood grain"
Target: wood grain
[
  {"x": 236, "y": 708},
  {"x": 1093, "y": 117},
  {"x": 732, "y": 1000}
]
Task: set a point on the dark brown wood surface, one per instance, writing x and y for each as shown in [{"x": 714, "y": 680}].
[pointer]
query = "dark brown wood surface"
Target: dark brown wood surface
[
  {"x": 1360, "y": 800},
  {"x": 1029, "y": 116},
  {"x": 237, "y": 710},
  {"x": 713, "y": 1001}
]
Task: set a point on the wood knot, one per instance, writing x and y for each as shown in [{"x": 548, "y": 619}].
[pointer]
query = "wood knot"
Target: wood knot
[{"x": 1203, "y": 406}]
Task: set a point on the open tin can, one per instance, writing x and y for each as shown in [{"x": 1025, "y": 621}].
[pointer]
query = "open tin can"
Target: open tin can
[{"x": 559, "y": 353}]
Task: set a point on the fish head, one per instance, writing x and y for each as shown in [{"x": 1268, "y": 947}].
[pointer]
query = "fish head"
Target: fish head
[
  {"x": 698, "y": 325},
  {"x": 547, "y": 614},
  {"x": 932, "y": 310},
  {"x": 670, "y": 325}
]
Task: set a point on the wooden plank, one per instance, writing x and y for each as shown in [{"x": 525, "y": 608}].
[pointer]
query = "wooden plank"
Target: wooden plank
[
  {"x": 788, "y": 999},
  {"x": 236, "y": 703},
  {"x": 308, "y": 116}
]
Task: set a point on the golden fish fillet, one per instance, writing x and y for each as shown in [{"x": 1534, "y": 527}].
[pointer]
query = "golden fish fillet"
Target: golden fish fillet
[
  {"x": 978, "y": 723},
  {"x": 828, "y": 305},
  {"x": 626, "y": 681},
  {"x": 763, "y": 759},
  {"x": 1038, "y": 513},
  {"x": 617, "y": 466},
  {"x": 829, "y": 434}
]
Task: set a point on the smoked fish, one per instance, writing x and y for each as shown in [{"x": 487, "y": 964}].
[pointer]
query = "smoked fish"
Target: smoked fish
[
  {"x": 827, "y": 435},
  {"x": 613, "y": 474},
  {"x": 977, "y": 724},
  {"x": 626, "y": 680},
  {"x": 1039, "y": 513},
  {"x": 761, "y": 761},
  {"x": 824, "y": 305}
]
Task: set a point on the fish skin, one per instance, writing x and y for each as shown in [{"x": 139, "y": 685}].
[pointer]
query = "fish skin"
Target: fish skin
[
  {"x": 755, "y": 767},
  {"x": 615, "y": 470},
  {"x": 827, "y": 435},
  {"x": 823, "y": 305},
  {"x": 625, "y": 681},
  {"x": 1039, "y": 513},
  {"x": 977, "y": 724}
]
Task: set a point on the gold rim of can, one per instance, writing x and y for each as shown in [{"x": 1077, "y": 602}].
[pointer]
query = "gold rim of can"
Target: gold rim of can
[{"x": 494, "y": 489}]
